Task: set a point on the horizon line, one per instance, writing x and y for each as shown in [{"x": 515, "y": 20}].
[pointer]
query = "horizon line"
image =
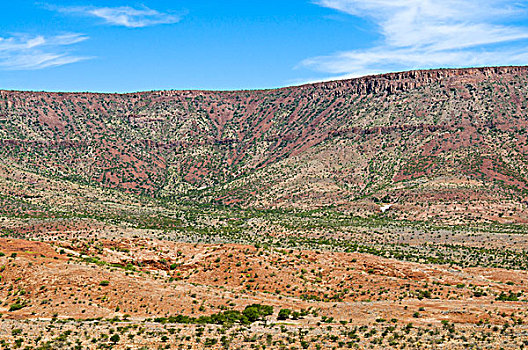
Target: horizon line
[{"x": 300, "y": 85}]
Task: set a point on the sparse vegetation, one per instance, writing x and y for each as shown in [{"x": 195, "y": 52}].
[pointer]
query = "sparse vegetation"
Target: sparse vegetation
[{"x": 252, "y": 220}]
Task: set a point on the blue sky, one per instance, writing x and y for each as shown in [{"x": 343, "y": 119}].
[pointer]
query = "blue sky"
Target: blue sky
[{"x": 120, "y": 46}]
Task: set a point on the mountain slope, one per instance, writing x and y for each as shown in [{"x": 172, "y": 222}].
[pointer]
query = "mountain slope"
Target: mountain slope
[{"x": 441, "y": 143}]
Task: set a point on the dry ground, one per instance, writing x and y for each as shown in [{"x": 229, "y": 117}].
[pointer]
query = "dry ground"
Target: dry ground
[{"x": 60, "y": 286}]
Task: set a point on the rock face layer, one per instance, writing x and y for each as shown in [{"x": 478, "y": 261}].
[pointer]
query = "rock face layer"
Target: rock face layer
[{"x": 436, "y": 136}]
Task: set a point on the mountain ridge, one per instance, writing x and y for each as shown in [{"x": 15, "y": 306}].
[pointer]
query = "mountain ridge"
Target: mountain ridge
[
  {"x": 414, "y": 73},
  {"x": 312, "y": 145}
]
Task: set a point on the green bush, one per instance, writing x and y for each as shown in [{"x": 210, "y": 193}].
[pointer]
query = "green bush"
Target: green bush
[
  {"x": 250, "y": 314},
  {"x": 508, "y": 297},
  {"x": 256, "y": 311},
  {"x": 115, "y": 338},
  {"x": 16, "y": 306},
  {"x": 284, "y": 314}
]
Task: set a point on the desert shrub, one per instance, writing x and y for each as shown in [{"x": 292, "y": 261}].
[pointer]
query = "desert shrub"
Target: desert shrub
[
  {"x": 508, "y": 297},
  {"x": 114, "y": 338},
  {"x": 17, "y": 306},
  {"x": 284, "y": 314}
]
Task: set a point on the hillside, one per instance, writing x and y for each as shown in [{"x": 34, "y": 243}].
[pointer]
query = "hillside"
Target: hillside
[{"x": 430, "y": 141}]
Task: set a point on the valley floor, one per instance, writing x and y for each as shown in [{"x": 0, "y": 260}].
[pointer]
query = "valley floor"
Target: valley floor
[{"x": 145, "y": 293}]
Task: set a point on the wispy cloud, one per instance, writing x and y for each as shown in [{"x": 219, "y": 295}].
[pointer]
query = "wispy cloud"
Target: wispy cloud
[
  {"x": 427, "y": 34},
  {"x": 122, "y": 16},
  {"x": 24, "y": 52}
]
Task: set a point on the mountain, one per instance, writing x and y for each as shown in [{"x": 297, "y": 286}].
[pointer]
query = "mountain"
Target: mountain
[
  {"x": 382, "y": 212},
  {"x": 447, "y": 144}
]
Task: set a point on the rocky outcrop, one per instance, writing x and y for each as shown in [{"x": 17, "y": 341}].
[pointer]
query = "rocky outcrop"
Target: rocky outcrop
[{"x": 403, "y": 81}]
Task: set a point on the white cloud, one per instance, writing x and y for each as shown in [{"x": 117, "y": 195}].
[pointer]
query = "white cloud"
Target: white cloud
[
  {"x": 37, "y": 52},
  {"x": 430, "y": 33},
  {"x": 123, "y": 16}
]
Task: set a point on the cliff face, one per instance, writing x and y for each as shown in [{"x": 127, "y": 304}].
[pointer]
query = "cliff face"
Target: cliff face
[
  {"x": 264, "y": 146},
  {"x": 403, "y": 81}
]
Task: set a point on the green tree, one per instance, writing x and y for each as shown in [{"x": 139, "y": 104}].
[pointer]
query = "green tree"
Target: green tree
[
  {"x": 115, "y": 338},
  {"x": 284, "y": 314}
]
